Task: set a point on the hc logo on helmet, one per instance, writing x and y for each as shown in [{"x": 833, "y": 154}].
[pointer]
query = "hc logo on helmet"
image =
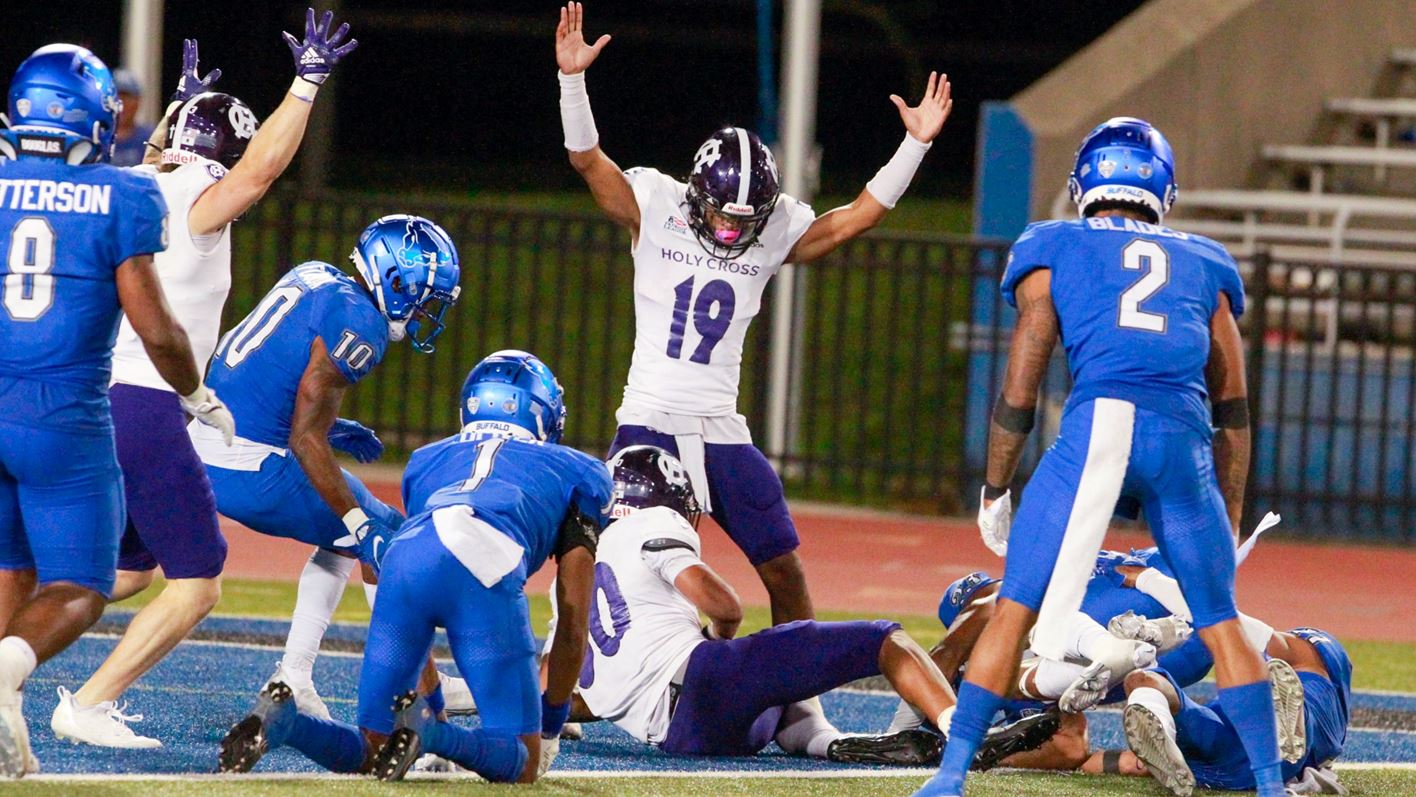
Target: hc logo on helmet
[{"x": 1124, "y": 162}]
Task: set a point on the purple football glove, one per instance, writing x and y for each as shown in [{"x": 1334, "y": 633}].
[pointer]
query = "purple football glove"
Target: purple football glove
[
  {"x": 356, "y": 440},
  {"x": 320, "y": 51},
  {"x": 190, "y": 84}
]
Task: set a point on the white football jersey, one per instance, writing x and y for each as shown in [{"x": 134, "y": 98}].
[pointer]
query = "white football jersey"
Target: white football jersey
[
  {"x": 646, "y": 628},
  {"x": 691, "y": 309},
  {"x": 195, "y": 273}
]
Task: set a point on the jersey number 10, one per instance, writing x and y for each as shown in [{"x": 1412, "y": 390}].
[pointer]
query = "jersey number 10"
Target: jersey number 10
[{"x": 1153, "y": 261}]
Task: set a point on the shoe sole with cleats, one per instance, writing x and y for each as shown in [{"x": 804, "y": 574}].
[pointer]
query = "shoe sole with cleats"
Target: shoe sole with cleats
[{"x": 1147, "y": 739}]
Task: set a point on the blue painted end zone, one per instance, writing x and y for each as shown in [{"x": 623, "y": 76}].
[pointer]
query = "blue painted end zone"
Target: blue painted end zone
[{"x": 191, "y": 699}]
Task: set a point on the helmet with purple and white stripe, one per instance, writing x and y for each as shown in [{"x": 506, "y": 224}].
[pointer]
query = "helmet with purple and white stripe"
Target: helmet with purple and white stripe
[{"x": 732, "y": 190}]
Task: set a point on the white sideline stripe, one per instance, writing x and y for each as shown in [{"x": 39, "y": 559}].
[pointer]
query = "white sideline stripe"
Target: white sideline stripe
[
  {"x": 580, "y": 774},
  {"x": 1108, "y": 454}
]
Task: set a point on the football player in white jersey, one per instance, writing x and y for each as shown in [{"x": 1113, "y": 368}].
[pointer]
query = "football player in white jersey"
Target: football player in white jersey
[
  {"x": 211, "y": 165},
  {"x": 661, "y": 678},
  {"x": 704, "y": 252}
]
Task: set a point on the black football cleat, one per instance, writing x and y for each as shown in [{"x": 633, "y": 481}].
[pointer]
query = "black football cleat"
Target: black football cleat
[
  {"x": 909, "y": 748},
  {"x": 411, "y": 717},
  {"x": 1019, "y": 736},
  {"x": 249, "y": 739}
]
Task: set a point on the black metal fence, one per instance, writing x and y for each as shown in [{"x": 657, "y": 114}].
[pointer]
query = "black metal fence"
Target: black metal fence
[{"x": 903, "y": 340}]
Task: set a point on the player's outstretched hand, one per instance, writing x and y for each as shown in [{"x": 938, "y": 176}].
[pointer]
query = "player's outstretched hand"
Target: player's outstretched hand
[
  {"x": 995, "y": 521},
  {"x": 356, "y": 440},
  {"x": 207, "y": 408},
  {"x": 191, "y": 83},
  {"x": 316, "y": 56},
  {"x": 572, "y": 53},
  {"x": 924, "y": 121}
]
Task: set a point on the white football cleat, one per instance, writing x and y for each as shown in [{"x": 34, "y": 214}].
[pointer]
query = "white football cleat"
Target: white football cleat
[
  {"x": 457, "y": 696},
  {"x": 431, "y": 762},
  {"x": 572, "y": 732},
  {"x": 307, "y": 700},
  {"x": 1288, "y": 710},
  {"x": 1147, "y": 738},
  {"x": 1165, "y": 633},
  {"x": 101, "y": 725},
  {"x": 15, "y": 755},
  {"x": 1087, "y": 689}
]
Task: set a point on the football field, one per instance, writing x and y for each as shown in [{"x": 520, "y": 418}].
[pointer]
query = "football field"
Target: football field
[{"x": 191, "y": 698}]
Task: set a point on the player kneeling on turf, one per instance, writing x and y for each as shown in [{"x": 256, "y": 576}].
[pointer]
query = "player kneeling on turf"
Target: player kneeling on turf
[
  {"x": 662, "y": 679},
  {"x": 486, "y": 508}
]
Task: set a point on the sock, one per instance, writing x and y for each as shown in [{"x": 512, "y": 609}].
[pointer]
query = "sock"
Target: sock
[
  {"x": 805, "y": 729},
  {"x": 321, "y": 586},
  {"x": 336, "y": 746},
  {"x": 906, "y": 718},
  {"x": 17, "y": 661},
  {"x": 1151, "y": 698},
  {"x": 1258, "y": 632},
  {"x": 436, "y": 702},
  {"x": 972, "y": 717},
  {"x": 1051, "y": 679},
  {"x": 496, "y": 757},
  {"x": 370, "y": 591},
  {"x": 1250, "y": 708}
]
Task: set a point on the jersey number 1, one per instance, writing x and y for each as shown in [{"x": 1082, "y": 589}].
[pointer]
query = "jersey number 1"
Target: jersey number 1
[
  {"x": 1152, "y": 260},
  {"x": 29, "y": 287}
]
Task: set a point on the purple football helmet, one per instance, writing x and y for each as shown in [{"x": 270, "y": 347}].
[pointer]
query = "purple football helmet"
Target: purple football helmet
[
  {"x": 734, "y": 177},
  {"x": 648, "y": 476},
  {"x": 210, "y": 126}
]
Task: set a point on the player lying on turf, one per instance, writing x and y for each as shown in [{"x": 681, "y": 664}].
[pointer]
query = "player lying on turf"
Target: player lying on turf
[
  {"x": 704, "y": 252},
  {"x": 80, "y": 237},
  {"x": 212, "y": 166},
  {"x": 287, "y": 367},
  {"x": 664, "y": 680},
  {"x": 486, "y": 507}
]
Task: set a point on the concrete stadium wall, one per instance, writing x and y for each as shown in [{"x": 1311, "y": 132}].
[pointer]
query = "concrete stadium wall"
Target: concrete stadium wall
[{"x": 1219, "y": 77}]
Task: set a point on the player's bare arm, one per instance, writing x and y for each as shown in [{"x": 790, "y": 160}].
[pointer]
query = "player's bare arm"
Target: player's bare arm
[
  {"x": 1034, "y": 337},
  {"x": 316, "y": 407},
  {"x": 276, "y": 142},
  {"x": 582, "y": 142},
  {"x": 714, "y": 597},
  {"x": 163, "y": 337},
  {"x": 922, "y": 123},
  {"x": 1229, "y": 397}
]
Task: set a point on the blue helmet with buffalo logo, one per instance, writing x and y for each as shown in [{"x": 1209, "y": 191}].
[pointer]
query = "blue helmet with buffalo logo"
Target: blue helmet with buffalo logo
[
  {"x": 410, "y": 265},
  {"x": 960, "y": 594},
  {"x": 1124, "y": 162},
  {"x": 734, "y": 178},
  {"x": 63, "y": 103},
  {"x": 514, "y": 387}
]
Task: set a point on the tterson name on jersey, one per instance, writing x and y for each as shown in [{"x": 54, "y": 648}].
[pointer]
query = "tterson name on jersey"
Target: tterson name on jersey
[{"x": 54, "y": 196}]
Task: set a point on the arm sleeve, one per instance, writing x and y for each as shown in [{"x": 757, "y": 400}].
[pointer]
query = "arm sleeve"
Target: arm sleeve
[
  {"x": 1165, "y": 590},
  {"x": 672, "y": 550},
  {"x": 1030, "y": 253},
  {"x": 142, "y": 223},
  {"x": 355, "y": 336}
]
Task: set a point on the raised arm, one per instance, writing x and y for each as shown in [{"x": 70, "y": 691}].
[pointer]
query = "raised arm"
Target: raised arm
[
  {"x": 607, "y": 182},
  {"x": 1229, "y": 397},
  {"x": 714, "y": 597},
  {"x": 922, "y": 125}
]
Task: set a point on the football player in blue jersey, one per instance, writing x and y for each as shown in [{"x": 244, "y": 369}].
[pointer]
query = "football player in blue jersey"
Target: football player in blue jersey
[
  {"x": 486, "y": 508},
  {"x": 76, "y": 243},
  {"x": 286, "y": 368},
  {"x": 1147, "y": 317}
]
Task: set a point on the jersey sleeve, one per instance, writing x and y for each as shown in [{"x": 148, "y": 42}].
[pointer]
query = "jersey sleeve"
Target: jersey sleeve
[
  {"x": 1229, "y": 282},
  {"x": 1032, "y": 251},
  {"x": 594, "y": 495},
  {"x": 672, "y": 548},
  {"x": 354, "y": 333},
  {"x": 141, "y": 225},
  {"x": 798, "y": 216},
  {"x": 645, "y": 182}
]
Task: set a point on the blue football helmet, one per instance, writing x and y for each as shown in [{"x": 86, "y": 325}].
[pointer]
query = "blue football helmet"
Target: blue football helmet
[
  {"x": 513, "y": 387},
  {"x": 63, "y": 103},
  {"x": 960, "y": 593},
  {"x": 411, "y": 267},
  {"x": 1124, "y": 161}
]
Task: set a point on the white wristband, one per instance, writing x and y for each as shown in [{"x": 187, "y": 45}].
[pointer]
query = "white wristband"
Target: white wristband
[
  {"x": 354, "y": 519},
  {"x": 304, "y": 89},
  {"x": 889, "y": 184},
  {"x": 576, "y": 119}
]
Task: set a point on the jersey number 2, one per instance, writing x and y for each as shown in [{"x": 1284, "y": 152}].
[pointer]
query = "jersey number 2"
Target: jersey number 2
[
  {"x": 29, "y": 287},
  {"x": 1149, "y": 258}
]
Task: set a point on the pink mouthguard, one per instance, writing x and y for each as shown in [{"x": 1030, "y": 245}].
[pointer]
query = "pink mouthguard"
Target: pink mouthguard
[{"x": 727, "y": 236}]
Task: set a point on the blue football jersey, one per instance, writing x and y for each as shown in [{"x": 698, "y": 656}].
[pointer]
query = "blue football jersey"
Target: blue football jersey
[
  {"x": 64, "y": 230},
  {"x": 521, "y": 487},
  {"x": 1134, "y": 302},
  {"x": 258, "y": 364}
]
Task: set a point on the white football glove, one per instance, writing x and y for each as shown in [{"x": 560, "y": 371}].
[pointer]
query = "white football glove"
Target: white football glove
[
  {"x": 995, "y": 521},
  {"x": 550, "y": 748},
  {"x": 207, "y": 408}
]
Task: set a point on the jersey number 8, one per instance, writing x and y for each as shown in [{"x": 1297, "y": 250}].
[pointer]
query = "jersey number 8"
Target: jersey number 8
[{"x": 29, "y": 287}]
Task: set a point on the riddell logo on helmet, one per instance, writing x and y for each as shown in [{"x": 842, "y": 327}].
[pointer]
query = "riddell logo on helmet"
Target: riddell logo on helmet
[
  {"x": 181, "y": 156},
  {"x": 738, "y": 210}
]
